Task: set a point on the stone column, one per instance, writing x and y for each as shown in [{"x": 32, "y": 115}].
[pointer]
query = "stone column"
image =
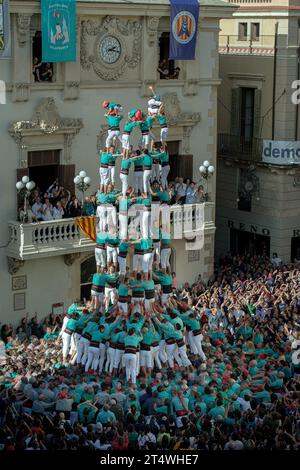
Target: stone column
[
  {"x": 286, "y": 73},
  {"x": 21, "y": 57}
]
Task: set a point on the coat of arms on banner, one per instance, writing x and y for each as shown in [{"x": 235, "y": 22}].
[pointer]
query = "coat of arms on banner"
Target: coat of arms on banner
[
  {"x": 59, "y": 25},
  {"x": 184, "y": 27}
]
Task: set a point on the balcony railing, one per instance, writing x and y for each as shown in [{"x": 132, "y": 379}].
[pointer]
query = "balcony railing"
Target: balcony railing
[
  {"x": 62, "y": 237},
  {"x": 261, "y": 45},
  {"x": 240, "y": 148}
]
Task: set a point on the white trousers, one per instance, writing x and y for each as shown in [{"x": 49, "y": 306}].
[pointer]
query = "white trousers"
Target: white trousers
[
  {"x": 164, "y": 134},
  {"x": 165, "y": 170},
  {"x": 146, "y": 224},
  {"x": 156, "y": 172},
  {"x": 146, "y": 359},
  {"x": 155, "y": 356},
  {"x": 104, "y": 176},
  {"x": 165, "y": 255},
  {"x": 111, "y": 254},
  {"x": 110, "y": 137},
  {"x": 112, "y": 172},
  {"x": 100, "y": 257},
  {"x": 162, "y": 351},
  {"x": 181, "y": 354},
  {"x": 123, "y": 226},
  {"x": 146, "y": 180},
  {"x": 118, "y": 358},
  {"x": 66, "y": 341},
  {"x": 124, "y": 181},
  {"x": 170, "y": 350},
  {"x": 82, "y": 350},
  {"x": 110, "y": 296},
  {"x": 125, "y": 142},
  {"x": 196, "y": 345},
  {"x": 138, "y": 181},
  {"x": 122, "y": 264},
  {"x": 147, "y": 262},
  {"x": 137, "y": 262},
  {"x": 102, "y": 356},
  {"x": 130, "y": 367},
  {"x": 93, "y": 358},
  {"x": 110, "y": 356}
]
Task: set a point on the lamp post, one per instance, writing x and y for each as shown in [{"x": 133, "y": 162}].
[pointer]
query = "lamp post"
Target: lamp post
[
  {"x": 24, "y": 188},
  {"x": 82, "y": 183},
  {"x": 206, "y": 170}
]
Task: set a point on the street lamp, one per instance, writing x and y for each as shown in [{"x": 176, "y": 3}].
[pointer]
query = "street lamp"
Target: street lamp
[
  {"x": 24, "y": 188},
  {"x": 82, "y": 183},
  {"x": 206, "y": 170}
]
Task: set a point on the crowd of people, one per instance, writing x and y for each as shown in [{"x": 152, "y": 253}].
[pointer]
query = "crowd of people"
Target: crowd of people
[
  {"x": 145, "y": 363},
  {"x": 243, "y": 394}
]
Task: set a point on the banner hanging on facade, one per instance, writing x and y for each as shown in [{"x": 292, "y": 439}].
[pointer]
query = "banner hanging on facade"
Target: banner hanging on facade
[
  {"x": 59, "y": 30},
  {"x": 183, "y": 29},
  {"x": 5, "y": 33},
  {"x": 281, "y": 152}
]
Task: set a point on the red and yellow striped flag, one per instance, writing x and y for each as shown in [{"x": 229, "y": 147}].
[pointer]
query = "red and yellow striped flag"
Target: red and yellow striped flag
[{"x": 87, "y": 225}]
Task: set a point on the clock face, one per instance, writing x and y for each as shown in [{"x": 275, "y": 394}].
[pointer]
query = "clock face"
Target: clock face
[{"x": 110, "y": 49}]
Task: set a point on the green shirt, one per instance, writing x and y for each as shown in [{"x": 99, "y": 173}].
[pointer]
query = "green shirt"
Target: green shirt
[
  {"x": 128, "y": 127},
  {"x": 162, "y": 120},
  {"x": 114, "y": 121}
]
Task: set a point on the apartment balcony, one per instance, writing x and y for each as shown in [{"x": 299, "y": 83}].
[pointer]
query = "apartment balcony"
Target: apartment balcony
[
  {"x": 240, "y": 148},
  {"x": 64, "y": 237},
  {"x": 237, "y": 45}
]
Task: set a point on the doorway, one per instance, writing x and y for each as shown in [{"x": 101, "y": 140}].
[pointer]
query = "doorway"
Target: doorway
[
  {"x": 295, "y": 249},
  {"x": 242, "y": 242},
  {"x": 87, "y": 270},
  {"x": 43, "y": 176}
]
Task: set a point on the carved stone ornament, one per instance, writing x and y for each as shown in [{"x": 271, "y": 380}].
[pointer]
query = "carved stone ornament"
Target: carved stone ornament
[
  {"x": 120, "y": 28},
  {"x": 174, "y": 113},
  {"x": 21, "y": 92},
  {"x": 72, "y": 91},
  {"x": 13, "y": 265},
  {"x": 176, "y": 117},
  {"x": 23, "y": 28},
  {"x": 152, "y": 23},
  {"x": 45, "y": 120},
  {"x": 101, "y": 137},
  {"x": 71, "y": 258}
]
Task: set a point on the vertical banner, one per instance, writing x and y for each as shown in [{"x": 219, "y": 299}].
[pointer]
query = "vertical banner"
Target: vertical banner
[
  {"x": 5, "y": 32},
  {"x": 59, "y": 30},
  {"x": 183, "y": 29}
]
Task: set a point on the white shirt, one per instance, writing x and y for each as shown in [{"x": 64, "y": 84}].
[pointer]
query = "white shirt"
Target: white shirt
[
  {"x": 58, "y": 213},
  {"x": 276, "y": 261},
  {"x": 180, "y": 189},
  {"x": 35, "y": 209},
  {"x": 47, "y": 212}
]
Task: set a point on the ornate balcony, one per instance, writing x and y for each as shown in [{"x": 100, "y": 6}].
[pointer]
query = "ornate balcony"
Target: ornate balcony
[{"x": 63, "y": 237}]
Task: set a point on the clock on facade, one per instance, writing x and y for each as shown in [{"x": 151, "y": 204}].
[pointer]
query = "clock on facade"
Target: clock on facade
[{"x": 110, "y": 49}]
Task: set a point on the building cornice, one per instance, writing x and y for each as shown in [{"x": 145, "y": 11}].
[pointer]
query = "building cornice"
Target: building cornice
[{"x": 83, "y": 8}]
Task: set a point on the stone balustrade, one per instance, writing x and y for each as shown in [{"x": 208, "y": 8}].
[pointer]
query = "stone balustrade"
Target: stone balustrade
[{"x": 63, "y": 237}]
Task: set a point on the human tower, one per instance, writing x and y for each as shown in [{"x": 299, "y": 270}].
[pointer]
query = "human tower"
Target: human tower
[{"x": 132, "y": 322}]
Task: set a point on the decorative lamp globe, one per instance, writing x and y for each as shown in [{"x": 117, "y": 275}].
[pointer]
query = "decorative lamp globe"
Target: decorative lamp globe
[
  {"x": 25, "y": 179},
  {"x": 82, "y": 174},
  {"x": 206, "y": 163},
  {"x": 77, "y": 179},
  {"x": 19, "y": 185},
  {"x": 87, "y": 180},
  {"x": 211, "y": 169},
  {"x": 202, "y": 169}
]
